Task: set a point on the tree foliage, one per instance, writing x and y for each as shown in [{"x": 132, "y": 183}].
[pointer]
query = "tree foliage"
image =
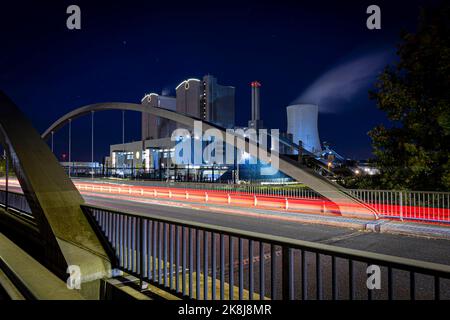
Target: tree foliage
[{"x": 414, "y": 151}]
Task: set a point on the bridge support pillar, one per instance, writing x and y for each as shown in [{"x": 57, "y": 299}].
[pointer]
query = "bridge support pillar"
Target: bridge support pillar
[{"x": 66, "y": 236}]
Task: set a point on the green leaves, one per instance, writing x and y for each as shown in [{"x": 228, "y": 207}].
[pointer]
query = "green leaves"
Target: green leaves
[{"x": 415, "y": 94}]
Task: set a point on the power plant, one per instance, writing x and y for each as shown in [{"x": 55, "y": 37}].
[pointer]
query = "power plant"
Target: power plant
[
  {"x": 302, "y": 125},
  {"x": 210, "y": 101}
]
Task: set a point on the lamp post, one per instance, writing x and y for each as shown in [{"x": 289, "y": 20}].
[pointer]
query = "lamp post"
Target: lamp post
[
  {"x": 160, "y": 167},
  {"x": 123, "y": 140},
  {"x": 92, "y": 145},
  {"x": 236, "y": 177},
  {"x": 70, "y": 146},
  {"x": 53, "y": 136},
  {"x": 6, "y": 180},
  {"x": 168, "y": 166}
]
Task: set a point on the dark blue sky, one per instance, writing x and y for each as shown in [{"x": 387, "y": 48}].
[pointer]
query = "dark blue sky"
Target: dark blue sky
[{"x": 128, "y": 48}]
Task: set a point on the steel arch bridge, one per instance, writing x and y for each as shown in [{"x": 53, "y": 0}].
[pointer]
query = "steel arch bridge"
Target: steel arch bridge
[{"x": 347, "y": 204}]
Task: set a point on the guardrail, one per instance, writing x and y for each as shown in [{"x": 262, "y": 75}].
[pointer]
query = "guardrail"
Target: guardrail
[
  {"x": 267, "y": 190},
  {"x": 201, "y": 261},
  {"x": 403, "y": 205},
  {"x": 14, "y": 200},
  {"x": 221, "y": 197},
  {"x": 407, "y": 205}
]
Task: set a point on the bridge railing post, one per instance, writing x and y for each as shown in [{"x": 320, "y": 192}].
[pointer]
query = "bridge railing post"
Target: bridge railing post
[
  {"x": 400, "y": 194},
  {"x": 287, "y": 283},
  {"x": 142, "y": 255}
]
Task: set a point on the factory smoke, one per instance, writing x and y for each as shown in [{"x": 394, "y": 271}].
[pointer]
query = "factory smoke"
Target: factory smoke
[{"x": 340, "y": 84}]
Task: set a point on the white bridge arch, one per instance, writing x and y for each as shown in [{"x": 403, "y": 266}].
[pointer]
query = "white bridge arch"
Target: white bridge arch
[{"x": 347, "y": 204}]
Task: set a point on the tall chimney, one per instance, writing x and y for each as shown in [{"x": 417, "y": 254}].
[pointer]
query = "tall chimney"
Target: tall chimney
[
  {"x": 255, "y": 100},
  {"x": 255, "y": 122}
]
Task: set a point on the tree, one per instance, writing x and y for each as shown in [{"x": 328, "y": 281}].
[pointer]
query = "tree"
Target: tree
[
  {"x": 414, "y": 151},
  {"x": 2, "y": 166}
]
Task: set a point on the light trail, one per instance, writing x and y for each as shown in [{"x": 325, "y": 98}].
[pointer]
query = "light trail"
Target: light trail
[
  {"x": 213, "y": 196},
  {"x": 250, "y": 200}
]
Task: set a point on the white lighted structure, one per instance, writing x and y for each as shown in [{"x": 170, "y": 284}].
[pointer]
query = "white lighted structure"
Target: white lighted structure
[{"x": 302, "y": 124}]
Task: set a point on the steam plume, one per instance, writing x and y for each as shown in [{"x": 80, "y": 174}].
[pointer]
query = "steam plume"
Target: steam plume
[{"x": 341, "y": 83}]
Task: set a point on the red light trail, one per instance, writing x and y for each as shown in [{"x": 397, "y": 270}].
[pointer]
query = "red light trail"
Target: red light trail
[{"x": 250, "y": 200}]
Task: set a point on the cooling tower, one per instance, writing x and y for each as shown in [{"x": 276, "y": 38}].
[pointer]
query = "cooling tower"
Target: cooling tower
[{"x": 302, "y": 124}]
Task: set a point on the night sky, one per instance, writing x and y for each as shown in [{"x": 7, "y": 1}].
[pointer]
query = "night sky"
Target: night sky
[{"x": 296, "y": 49}]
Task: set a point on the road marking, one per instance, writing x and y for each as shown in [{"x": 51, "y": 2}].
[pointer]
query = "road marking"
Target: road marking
[{"x": 341, "y": 237}]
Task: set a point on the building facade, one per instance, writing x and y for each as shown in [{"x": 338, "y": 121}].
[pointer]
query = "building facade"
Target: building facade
[
  {"x": 203, "y": 99},
  {"x": 154, "y": 127},
  {"x": 207, "y": 100},
  {"x": 218, "y": 103}
]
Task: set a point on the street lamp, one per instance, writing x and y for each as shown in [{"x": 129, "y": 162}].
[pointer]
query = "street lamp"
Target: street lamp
[{"x": 5, "y": 156}]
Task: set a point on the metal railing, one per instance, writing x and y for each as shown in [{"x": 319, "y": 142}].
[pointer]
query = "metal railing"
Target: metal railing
[
  {"x": 201, "y": 261},
  {"x": 220, "y": 197},
  {"x": 14, "y": 200},
  {"x": 404, "y": 205},
  {"x": 407, "y": 205},
  {"x": 275, "y": 191}
]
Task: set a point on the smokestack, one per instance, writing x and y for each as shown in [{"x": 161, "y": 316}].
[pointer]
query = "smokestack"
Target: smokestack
[
  {"x": 255, "y": 122},
  {"x": 255, "y": 100}
]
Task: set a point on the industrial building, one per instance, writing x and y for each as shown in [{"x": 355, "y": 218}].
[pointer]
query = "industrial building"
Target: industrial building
[
  {"x": 204, "y": 99},
  {"x": 207, "y": 100},
  {"x": 155, "y": 127}
]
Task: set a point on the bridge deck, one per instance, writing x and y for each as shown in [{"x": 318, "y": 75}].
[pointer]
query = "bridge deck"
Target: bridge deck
[{"x": 32, "y": 280}]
